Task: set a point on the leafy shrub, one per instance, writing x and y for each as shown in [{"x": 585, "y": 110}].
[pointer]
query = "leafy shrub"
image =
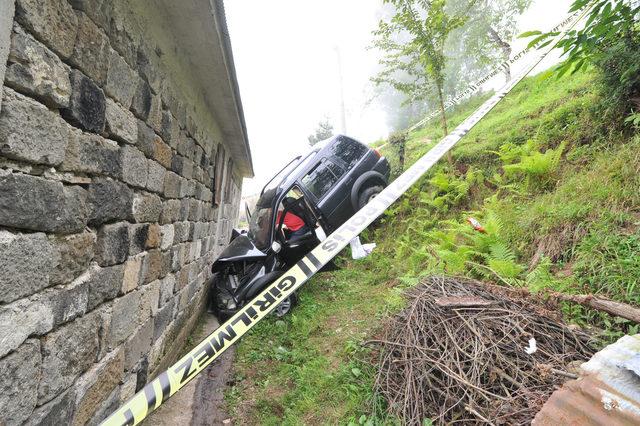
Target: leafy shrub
[{"x": 537, "y": 167}]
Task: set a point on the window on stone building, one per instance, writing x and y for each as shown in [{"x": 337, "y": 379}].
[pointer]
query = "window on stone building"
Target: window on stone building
[
  {"x": 218, "y": 176},
  {"x": 229, "y": 181}
]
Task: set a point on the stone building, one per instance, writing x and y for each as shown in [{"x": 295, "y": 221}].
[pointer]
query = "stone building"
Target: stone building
[{"x": 122, "y": 149}]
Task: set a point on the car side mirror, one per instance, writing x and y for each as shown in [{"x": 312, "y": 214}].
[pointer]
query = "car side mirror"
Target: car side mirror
[{"x": 276, "y": 247}]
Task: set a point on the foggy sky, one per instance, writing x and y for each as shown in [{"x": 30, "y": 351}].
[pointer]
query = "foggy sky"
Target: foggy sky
[{"x": 286, "y": 62}]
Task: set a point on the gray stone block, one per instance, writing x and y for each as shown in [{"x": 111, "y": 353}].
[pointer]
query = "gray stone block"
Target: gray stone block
[
  {"x": 154, "y": 236},
  {"x": 167, "y": 235},
  {"x": 91, "y": 50},
  {"x": 162, "y": 152},
  {"x": 36, "y": 70},
  {"x": 87, "y": 104},
  {"x": 151, "y": 266},
  {"x": 138, "y": 346},
  {"x": 89, "y": 153},
  {"x": 138, "y": 234},
  {"x": 185, "y": 204},
  {"x": 162, "y": 319},
  {"x": 104, "y": 284},
  {"x": 170, "y": 211},
  {"x": 149, "y": 301},
  {"x": 42, "y": 141},
  {"x": 167, "y": 286},
  {"x": 186, "y": 146},
  {"x": 187, "y": 169},
  {"x": 172, "y": 185},
  {"x": 108, "y": 201},
  {"x": 50, "y": 20},
  {"x": 26, "y": 263},
  {"x": 67, "y": 302},
  {"x": 155, "y": 181},
  {"x": 121, "y": 123},
  {"x": 112, "y": 246},
  {"x": 63, "y": 362},
  {"x": 134, "y": 167},
  {"x": 73, "y": 255},
  {"x": 141, "y": 103},
  {"x": 132, "y": 274},
  {"x": 106, "y": 407},
  {"x": 123, "y": 323},
  {"x": 170, "y": 130},
  {"x": 155, "y": 114},
  {"x": 19, "y": 376},
  {"x": 147, "y": 61},
  {"x": 146, "y": 137},
  {"x": 99, "y": 11},
  {"x": 55, "y": 412},
  {"x": 95, "y": 386},
  {"x": 124, "y": 34},
  {"x": 146, "y": 207},
  {"x": 122, "y": 81},
  {"x": 21, "y": 319}
]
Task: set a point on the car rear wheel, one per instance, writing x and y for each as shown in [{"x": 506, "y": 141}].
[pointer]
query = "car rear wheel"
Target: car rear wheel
[
  {"x": 286, "y": 305},
  {"x": 368, "y": 194}
]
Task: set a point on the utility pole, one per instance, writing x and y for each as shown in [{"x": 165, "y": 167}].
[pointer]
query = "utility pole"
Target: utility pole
[{"x": 343, "y": 115}]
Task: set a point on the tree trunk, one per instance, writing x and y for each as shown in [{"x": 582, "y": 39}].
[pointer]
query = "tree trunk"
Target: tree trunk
[
  {"x": 618, "y": 309},
  {"x": 504, "y": 46},
  {"x": 443, "y": 117}
]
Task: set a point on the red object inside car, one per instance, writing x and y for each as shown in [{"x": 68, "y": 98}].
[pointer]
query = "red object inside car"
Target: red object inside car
[{"x": 292, "y": 221}]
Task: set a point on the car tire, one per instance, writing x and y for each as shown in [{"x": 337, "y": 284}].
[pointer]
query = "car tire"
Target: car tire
[
  {"x": 211, "y": 305},
  {"x": 286, "y": 305},
  {"x": 368, "y": 194}
]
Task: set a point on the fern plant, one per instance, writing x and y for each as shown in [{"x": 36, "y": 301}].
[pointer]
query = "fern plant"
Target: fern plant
[{"x": 538, "y": 168}]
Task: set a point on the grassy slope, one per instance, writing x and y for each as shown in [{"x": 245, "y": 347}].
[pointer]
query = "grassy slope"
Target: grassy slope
[{"x": 580, "y": 218}]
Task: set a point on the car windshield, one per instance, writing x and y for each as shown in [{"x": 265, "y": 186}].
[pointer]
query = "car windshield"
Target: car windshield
[{"x": 261, "y": 219}]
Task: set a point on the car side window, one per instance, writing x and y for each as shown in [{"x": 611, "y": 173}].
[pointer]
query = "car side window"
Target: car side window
[
  {"x": 322, "y": 177},
  {"x": 348, "y": 150}
]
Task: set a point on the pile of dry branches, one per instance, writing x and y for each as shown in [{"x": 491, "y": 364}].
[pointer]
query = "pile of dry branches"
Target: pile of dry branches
[{"x": 457, "y": 354}]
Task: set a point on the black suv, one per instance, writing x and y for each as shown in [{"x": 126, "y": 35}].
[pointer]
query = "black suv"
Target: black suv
[{"x": 322, "y": 189}]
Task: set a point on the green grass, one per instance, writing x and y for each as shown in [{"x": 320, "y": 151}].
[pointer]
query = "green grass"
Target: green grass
[{"x": 556, "y": 190}]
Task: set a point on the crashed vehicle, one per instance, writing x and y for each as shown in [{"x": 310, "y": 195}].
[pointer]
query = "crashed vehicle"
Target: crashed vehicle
[{"x": 310, "y": 197}]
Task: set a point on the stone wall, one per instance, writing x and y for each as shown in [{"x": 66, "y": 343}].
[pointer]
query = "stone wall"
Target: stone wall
[{"x": 108, "y": 218}]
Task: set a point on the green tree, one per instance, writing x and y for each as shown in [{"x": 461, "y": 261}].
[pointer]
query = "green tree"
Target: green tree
[
  {"x": 491, "y": 25},
  {"x": 413, "y": 42},
  {"x": 324, "y": 131},
  {"x": 610, "y": 40}
]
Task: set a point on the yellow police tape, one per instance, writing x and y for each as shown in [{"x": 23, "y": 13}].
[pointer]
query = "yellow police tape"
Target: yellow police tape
[{"x": 178, "y": 375}]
